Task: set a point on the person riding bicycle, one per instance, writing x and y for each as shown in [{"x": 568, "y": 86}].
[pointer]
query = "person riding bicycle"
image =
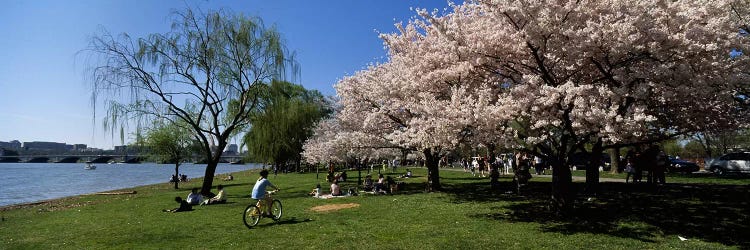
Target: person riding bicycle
[{"x": 259, "y": 191}]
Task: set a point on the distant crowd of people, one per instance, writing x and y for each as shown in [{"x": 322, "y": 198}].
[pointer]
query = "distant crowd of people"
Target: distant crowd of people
[
  {"x": 180, "y": 178},
  {"x": 651, "y": 159}
]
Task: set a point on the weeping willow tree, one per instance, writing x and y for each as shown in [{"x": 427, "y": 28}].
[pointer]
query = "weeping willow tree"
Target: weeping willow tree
[
  {"x": 190, "y": 75},
  {"x": 169, "y": 143},
  {"x": 283, "y": 124}
]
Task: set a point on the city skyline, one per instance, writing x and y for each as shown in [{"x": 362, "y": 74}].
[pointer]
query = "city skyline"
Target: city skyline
[
  {"x": 17, "y": 144},
  {"x": 44, "y": 92}
]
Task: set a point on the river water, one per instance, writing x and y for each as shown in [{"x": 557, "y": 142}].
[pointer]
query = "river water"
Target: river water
[{"x": 31, "y": 182}]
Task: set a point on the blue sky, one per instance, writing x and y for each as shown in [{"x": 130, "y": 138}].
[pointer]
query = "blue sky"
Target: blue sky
[{"x": 43, "y": 92}]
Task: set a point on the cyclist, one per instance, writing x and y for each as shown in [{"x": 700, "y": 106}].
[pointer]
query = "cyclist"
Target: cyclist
[{"x": 259, "y": 191}]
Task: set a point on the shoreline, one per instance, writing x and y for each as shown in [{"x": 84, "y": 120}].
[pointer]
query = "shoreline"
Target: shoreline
[
  {"x": 123, "y": 191},
  {"x": 60, "y": 200}
]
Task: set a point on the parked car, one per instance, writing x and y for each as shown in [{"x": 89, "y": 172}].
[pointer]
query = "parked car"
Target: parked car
[
  {"x": 730, "y": 163},
  {"x": 579, "y": 160},
  {"x": 679, "y": 165}
]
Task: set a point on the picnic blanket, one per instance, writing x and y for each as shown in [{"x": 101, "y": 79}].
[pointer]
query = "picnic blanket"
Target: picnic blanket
[{"x": 329, "y": 196}]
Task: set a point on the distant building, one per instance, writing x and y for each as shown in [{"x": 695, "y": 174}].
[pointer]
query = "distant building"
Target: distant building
[
  {"x": 13, "y": 145},
  {"x": 231, "y": 149},
  {"x": 46, "y": 146},
  {"x": 79, "y": 147},
  {"x": 129, "y": 149},
  {"x": 92, "y": 150}
]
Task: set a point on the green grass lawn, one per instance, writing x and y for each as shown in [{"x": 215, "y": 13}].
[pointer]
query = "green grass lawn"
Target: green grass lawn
[{"x": 467, "y": 215}]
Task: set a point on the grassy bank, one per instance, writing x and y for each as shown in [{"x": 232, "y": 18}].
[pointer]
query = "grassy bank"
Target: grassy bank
[{"x": 467, "y": 215}]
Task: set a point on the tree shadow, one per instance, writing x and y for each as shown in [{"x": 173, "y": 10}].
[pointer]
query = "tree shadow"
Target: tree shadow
[
  {"x": 283, "y": 221},
  {"x": 714, "y": 213},
  {"x": 506, "y": 191},
  {"x": 710, "y": 175},
  {"x": 225, "y": 185},
  {"x": 469, "y": 178},
  {"x": 407, "y": 188}
]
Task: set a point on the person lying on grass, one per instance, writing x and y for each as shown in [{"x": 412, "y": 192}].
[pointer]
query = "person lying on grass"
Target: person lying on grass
[{"x": 184, "y": 206}]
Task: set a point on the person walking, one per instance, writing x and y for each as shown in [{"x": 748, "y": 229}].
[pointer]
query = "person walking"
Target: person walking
[
  {"x": 538, "y": 165},
  {"x": 474, "y": 167}
]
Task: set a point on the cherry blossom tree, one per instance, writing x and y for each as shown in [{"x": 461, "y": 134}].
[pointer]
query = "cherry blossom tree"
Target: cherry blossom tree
[
  {"x": 323, "y": 146},
  {"x": 333, "y": 142},
  {"x": 603, "y": 72},
  {"x": 550, "y": 77}
]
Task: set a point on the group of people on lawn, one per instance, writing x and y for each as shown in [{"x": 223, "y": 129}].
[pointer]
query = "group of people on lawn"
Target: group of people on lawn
[
  {"x": 259, "y": 190},
  {"x": 178, "y": 178},
  {"x": 195, "y": 198},
  {"x": 383, "y": 184}
]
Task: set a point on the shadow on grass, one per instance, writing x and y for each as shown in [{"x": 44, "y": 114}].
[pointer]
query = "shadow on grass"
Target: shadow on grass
[
  {"x": 283, "y": 221},
  {"x": 226, "y": 185},
  {"x": 714, "y": 213},
  {"x": 710, "y": 175}
]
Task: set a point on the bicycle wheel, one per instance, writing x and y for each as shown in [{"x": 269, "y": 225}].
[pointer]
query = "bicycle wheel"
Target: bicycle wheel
[
  {"x": 276, "y": 210},
  {"x": 251, "y": 216}
]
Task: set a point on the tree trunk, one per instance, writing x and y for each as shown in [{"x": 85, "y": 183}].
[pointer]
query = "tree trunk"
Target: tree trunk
[
  {"x": 404, "y": 154},
  {"x": 433, "y": 174},
  {"x": 177, "y": 173},
  {"x": 208, "y": 177},
  {"x": 213, "y": 162},
  {"x": 297, "y": 164},
  {"x": 708, "y": 147},
  {"x": 592, "y": 170},
  {"x": 614, "y": 159},
  {"x": 562, "y": 188}
]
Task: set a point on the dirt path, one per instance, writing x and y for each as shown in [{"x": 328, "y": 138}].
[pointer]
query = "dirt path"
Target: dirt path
[{"x": 334, "y": 207}]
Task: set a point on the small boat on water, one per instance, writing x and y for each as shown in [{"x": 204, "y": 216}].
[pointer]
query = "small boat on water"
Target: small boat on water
[{"x": 89, "y": 166}]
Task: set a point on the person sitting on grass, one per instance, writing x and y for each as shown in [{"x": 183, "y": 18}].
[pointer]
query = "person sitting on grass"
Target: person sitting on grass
[
  {"x": 380, "y": 186},
  {"x": 194, "y": 198},
  {"x": 316, "y": 191},
  {"x": 220, "y": 198},
  {"x": 335, "y": 189},
  {"x": 184, "y": 206},
  {"x": 259, "y": 191},
  {"x": 368, "y": 185},
  {"x": 229, "y": 178}
]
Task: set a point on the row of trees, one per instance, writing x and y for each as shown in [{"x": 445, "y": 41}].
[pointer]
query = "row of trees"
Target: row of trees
[
  {"x": 545, "y": 77},
  {"x": 708, "y": 145},
  {"x": 214, "y": 76}
]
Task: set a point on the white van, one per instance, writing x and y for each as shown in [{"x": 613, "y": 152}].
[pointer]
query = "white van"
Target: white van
[{"x": 731, "y": 163}]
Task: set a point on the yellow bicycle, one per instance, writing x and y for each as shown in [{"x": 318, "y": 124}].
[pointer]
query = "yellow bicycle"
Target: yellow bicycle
[{"x": 253, "y": 212}]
